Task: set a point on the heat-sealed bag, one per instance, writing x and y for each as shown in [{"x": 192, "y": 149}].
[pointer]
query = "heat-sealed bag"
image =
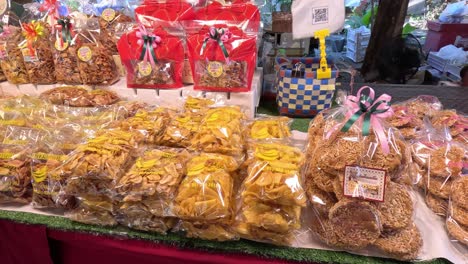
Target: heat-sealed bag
[
  {"x": 95, "y": 210},
  {"x": 220, "y": 132},
  {"x": 409, "y": 115},
  {"x": 37, "y": 52},
  {"x": 271, "y": 197},
  {"x": 153, "y": 58},
  {"x": 11, "y": 58},
  {"x": 222, "y": 58},
  {"x": 96, "y": 64},
  {"x": 15, "y": 174},
  {"x": 352, "y": 179}
]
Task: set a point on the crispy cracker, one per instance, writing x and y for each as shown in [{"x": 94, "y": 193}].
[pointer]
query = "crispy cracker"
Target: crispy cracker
[
  {"x": 397, "y": 208},
  {"x": 437, "y": 205},
  {"x": 403, "y": 244},
  {"x": 458, "y": 231}
]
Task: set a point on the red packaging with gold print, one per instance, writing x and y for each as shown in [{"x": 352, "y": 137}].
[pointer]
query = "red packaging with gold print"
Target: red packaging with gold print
[
  {"x": 153, "y": 58},
  {"x": 222, "y": 58}
]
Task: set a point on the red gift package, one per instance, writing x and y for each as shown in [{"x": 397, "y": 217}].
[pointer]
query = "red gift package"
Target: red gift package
[
  {"x": 222, "y": 58},
  {"x": 172, "y": 10},
  {"x": 153, "y": 58},
  {"x": 242, "y": 13}
]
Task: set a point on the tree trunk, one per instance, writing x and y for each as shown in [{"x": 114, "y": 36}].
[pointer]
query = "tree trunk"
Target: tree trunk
[{"x": 387, "y": 25}]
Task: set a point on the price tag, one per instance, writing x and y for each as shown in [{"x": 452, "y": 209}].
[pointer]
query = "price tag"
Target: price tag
[{"x": 364, "y": 183}]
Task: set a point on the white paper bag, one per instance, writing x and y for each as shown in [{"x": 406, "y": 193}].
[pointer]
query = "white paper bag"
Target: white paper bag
[{"x": 312, "y": 15}]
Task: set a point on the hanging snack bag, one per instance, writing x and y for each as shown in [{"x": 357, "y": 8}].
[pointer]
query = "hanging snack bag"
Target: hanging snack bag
[
  {"x": 109, "y": 22},
  {"x": 153, "y": 58},
  {"x": 11, "y": 58},
  {"x": 96, "y": 65},
  {"x": 222, "y": 58},
  {"x": 37, "y": 52}
]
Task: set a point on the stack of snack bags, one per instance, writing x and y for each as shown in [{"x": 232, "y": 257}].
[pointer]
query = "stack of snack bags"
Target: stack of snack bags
[
  {"x": 354, "y": 164},
  {"x": 11, "y": 58},
  {"x": 146, "y": 191}
]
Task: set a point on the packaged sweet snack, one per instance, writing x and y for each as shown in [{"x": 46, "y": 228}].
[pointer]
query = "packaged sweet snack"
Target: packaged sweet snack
[
  {"x": 457, "y": 220},
  {"x": 96, "y": 65},
  {"x": 165, "y": 11},
  {"x": 11, "y": 57},
  {"x": 157, "y": 173},
  {"x": 37, "y": 52},
  {"x": 95, "y": 210},
  {"x": 408, "y": 115},
  {"x": 204, "y": 200},
  {"x": 15, "y": 174},
  {"x": 355, "y": 163},
  {"x": 65, "y": 52},
  {"x": 222, "y": 58},
  {"x": 79, "y": 96},
  {"x": 220, "y": 132},
  {"x": 268, "y": 128},
  {"x": 153, "y": 58},
  {"x": 109, "y": 21},
  {"x": 456, "y": 123},
  {"x": 271, "y": 197}
]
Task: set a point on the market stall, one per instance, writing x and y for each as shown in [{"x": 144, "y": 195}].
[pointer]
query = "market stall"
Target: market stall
[{"x": 134, "y": 133}]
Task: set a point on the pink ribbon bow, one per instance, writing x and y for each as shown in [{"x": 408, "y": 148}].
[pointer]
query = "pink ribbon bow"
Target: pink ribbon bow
[{"x": 148, "y": 43}]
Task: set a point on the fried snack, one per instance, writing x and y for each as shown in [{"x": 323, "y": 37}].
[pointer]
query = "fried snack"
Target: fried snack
[
  {"x": 181, "y": 130},
  {"x": 439, "y": 187},
  {"x": 208, "y": 231},
  {"x": 234, "y": 75},
  {"x": 220, "y": 132},
  {"x": 397, "y": 209},
  {"x": 321, "y": 201},
  {"x": 198, "y": 105},
  {"x": 269, "y": 128},
  {"x": 404, "y": 244},
  {"x": 356, "y": 223},
  {"x": 15, "y": 174},
  {"x": 40, "y": 65},
  {"x": 66, "y": 64},
  {"x": 273, "y": 175},
  {"x": 447, "y": 119},
  {"x": 161, "y": 73},
  {"x": 12, "y": 63},
  {"x": 206, "y": 193},
  {"x": 447, "y": 161},
  {"x": 438, "y": 205},
  {"x": 95, "y": 210},
  {"x": 2, "y": 77},
  {"x": 324, "y": 230},
  {"x": 422, "y": 107},
  {"x": 157, "y": 173},
  {"x": 457, "y": 231},
  {"x": 460, "y": 192},
  {"x": 338, "y": 188},
  {"x": 79, "y": 96},
  {"x": 97, "y": 67},
  {"x": 108, "y": 31},
  {"x": 323, "y": 180},
  {"x": 137, "y": 215},
  {"x": 459, "y": 214},
  {"x": 150, "y": 123}
]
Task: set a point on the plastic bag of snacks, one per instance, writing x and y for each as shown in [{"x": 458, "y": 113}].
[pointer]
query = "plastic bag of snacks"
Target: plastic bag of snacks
[
  {"x": 79, "y": 96},
  {"x": 37, "y": 53},
  {"x": 94, "y": 167},
  {"x": 271, "y": 197},
  {"x": 351, "y": 179},
  {"x": 11, "y": 58},
  {"x": 96, "y": 65},
  {"x": 409, "y": 115},
  {"x": 65, "y": 52},
  {"x": 222, "y": 58},
  {"x": 457, "y": 220},
  {"x": 268, "y": 128},
  {"x": 157, "y": 173},
  {"x": 221, "y": 132},
  {"x": 153, "y": 58},
  {"x": 137, "y": 215},
  {"x": 95, "y": 210},
  {"x": 15, "y": 174},
  {"x": 110, "y": 20},
  {"x": 205, "y": 197},
  {"x": 456, "y": 123}
]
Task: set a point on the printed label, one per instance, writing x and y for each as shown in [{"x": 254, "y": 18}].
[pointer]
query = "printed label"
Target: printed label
[
  {"x": 85, "y": 54},
  {"x": 39, "y": 174},
  {"x": 60, "y": 45},
  {"x": 144, "y": 68},
  {"x": 3, "y": 6},
  {"x": 108, "y": 14},
  {"x": 215, "y": 68},
  {"x": 29, "y": 55},
  {"x": 320, "y": 15},
  {"x": 364, "y": 183}
]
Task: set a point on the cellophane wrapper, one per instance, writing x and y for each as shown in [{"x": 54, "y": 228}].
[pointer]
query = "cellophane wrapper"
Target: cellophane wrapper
[
  {"x": 11, "y": 58},
  {"x": 457, "y": 213},
  {"x": 359, "y": 194},
  {"x": 271, "y": 197},
  {"x": 77, "y": 96},
  {"x": 95, "y": 210},
  {"x": 204, "y": 201},
  {"x": 15, "y": 174}
]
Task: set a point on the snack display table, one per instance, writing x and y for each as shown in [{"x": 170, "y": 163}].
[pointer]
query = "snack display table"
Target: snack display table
[{"x": 162, "y": 97}]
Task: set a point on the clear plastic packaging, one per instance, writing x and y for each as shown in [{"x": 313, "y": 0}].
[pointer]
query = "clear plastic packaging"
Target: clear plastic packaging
[
  {"x": 79, "y": 96},
  {"x": 95, "y": 210},
  {"x": 268, "y": 128},
  {"x": 109, "y": 22},
  {"x": 15, "y": 174},
  {"x": 457, "y": 220},
  {"x": 37, "y": 53},
  {"x": 456, "y": 123},
  {"x": 11, "y": 57},
  {"x": 271, "y": 197},
  {"x": 65, "y": 52}
]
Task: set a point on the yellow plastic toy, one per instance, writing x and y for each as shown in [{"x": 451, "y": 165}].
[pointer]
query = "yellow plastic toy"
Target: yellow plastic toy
[{"x": 324, "y": 72}]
